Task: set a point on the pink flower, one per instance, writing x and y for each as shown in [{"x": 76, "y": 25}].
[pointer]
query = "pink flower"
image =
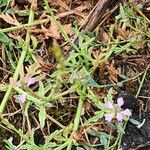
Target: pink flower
[
  {"x": 119, "y": 117},
  {"x": 116, "y": 112},
  {"x": 126, "y": 112},
  {"x": 108, "y": 117},
  {"x": 120, "y": 101},
  {"x": 21, "y": 98},
  {"x": 17, "y": 84},
  {"x": 108, "y": 105},
  {"x": 30, "y": 81}
]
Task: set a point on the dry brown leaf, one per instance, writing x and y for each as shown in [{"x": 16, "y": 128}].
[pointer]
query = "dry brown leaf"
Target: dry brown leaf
[
  {"x": 62, "y": 3},
  {"x": 113, "y": 72},
  {"x": 51, "y": 32},
  {"x": 68, "y": 29},
  {"x": 64, "y": 14},
  {"x": 54, "y": 30},
  {"x": 45, "y": 31},
  {"x": 6, "y": 17},
  {"x": 79, "y": 9},
  {"x": 103, "y": 36},
  {"x": 122, "y": 33},
  {"x": 44, "y": 66}
]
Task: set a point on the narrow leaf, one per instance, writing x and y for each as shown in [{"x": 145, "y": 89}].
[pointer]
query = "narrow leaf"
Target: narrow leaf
[{"x": 42, "y": 116}]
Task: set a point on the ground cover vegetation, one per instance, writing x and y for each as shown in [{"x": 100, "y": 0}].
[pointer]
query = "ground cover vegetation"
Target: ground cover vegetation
[{"x": 65, "y": 85}]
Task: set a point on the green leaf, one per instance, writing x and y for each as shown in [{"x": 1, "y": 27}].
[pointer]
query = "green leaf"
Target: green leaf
[
  {"x": 120, "y": 128},
  {"x": 3, "y": 3},
  {"x": 135, "y": 122},
  {"x": 103, "y": 140},
  {"x": 26, "y": 108},
  {"x": 90, "y": 82},
  {"x": 42, "y": 116},
  {"x": 98, "y": 115},
  {"x": 41, "y": 90},
  {"x": 4, "y": 38},
  {"x": 34, "y": 42},
  {"x": 68, "y": 130},
  {"x": 9, "y": 145},
  {"x": 109, "y": 95},
  {"x": 96, "y": 101}
]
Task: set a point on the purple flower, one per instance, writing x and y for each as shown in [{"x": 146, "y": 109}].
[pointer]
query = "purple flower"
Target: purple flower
[
  {"x": 126, "y": 112},
  {"x": 21, "y": 98},
  {"x": 108, "y": 117},
  {"x": 115, "y": 111},
  {"x": 119, "y": 117},
  {"x": 120, "y": 101},
  {"x": 30, "y": 81},
  {"x": 17, "y": 84},
  {"x": 108, "y": 105}
]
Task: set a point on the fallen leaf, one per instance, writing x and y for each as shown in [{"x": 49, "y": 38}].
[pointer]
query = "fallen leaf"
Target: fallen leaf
[
  {"x": 79, "y": 9},
  {"x": 68, "y": 29},
  {"x": 103, "y": 36},
  {"x": 113, "y": 72},
  {"x": 45, "y": 67},
  {"x": 6, "y": 17},
  {"x": 62, "y": 3},
  {"x": 54, "y": 30}
]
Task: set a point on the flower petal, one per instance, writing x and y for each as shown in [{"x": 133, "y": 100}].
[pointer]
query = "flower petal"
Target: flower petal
[
  {"x": 108, "y": 117},
  {"x": 119, "y": 117},
  {"x": 21, "y": 98},
  {"x": 30, "y": 81},
  {"x": 126, "y": 112},
  {"x": 17, "y": 84},
  {"x": 120, "y": 101},
  {"x": 108, "y": 105}
]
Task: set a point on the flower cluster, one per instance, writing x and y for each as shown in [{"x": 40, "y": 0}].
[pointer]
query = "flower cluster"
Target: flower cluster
[
  {"x": 115, "y": 111},
  {"x": 29, "y": 81},
  {"x": 21, "y": 98}
]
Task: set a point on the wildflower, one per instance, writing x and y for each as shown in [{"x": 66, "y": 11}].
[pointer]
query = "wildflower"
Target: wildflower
[
  {"x": 14, "y": 82},
  {"x": 108, "y": 117},
  {"x": 126, "y": 112},
  {"x": 30, "y": 81},
  {"x": 115, "y": 111},
  {"x": 119, "y": 117},
  {"x": 17, "y": 84},
  {"x": 120, "y": 101},
  {"x": 21, "y": 98},
  {"x": 108, "y": 105}
]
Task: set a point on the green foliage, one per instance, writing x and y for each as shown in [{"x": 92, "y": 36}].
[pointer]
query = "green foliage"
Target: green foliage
[
  {"x": 103, "y": 137},
  {"x": 3, "y": 4},
  {"x": 73, "y": 76},
  {"x": 42, "y": 116}
]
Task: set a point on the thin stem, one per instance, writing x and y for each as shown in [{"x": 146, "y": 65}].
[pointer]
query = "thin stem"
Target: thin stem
[
  {"x": 62, "y": 146},
  {"x": 141, "y": 83},
  {"x": 23, "y": 26},
  {"x": 76, "y": 122},
  {"x": 30, "y": 97},
  {"x": 78, "y": 114}
]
